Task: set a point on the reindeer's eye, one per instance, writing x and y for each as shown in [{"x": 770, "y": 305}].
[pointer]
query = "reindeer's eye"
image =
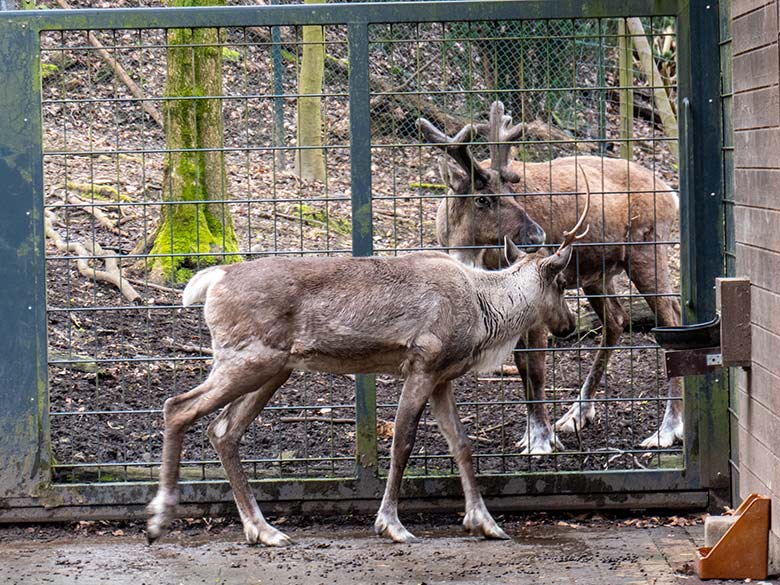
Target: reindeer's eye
[{"x": 482, "y": 202}]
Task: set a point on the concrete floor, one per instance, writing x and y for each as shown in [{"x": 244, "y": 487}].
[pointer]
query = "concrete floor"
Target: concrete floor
[{"x": 550, "y": 553}]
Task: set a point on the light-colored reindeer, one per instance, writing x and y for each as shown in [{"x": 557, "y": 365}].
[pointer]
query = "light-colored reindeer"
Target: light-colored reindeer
[
  {"x": 631, "y": 221},
  {"x": 423, "y": 316}
]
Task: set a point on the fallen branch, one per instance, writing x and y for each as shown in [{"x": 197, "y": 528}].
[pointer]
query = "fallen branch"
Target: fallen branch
[
  {"x": 121, "y": 74},
  {"x": 647, "y": 63},
  {"x": 98, "y": 189},
  {"x": 295, "y": 218},
  {"x": 112, "y": 274},
  {"x": 98, "y": 214}
]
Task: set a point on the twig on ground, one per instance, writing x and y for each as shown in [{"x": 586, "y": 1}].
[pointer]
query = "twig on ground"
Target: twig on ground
[
  {"x": 494, "y": 427},
  {"x": 140, "y": 282},
  {"x": 188, "y": 347},
  {"x": 297, "y": 419}
]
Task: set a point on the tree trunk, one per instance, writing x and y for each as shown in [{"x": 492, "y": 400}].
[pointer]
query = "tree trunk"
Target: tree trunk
[
  {"x": 194, "y": 62},
  {"x": 310, "y": 163},
  {"x": 626, "y": 74},
  {"x": 663, "y": 104}
]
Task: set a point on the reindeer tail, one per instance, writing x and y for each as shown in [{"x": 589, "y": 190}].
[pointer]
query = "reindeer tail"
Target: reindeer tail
[{"x": 199, "y": 285}]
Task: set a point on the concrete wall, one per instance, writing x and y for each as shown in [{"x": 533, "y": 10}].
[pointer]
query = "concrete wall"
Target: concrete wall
[{"x": 756, "y": 116}]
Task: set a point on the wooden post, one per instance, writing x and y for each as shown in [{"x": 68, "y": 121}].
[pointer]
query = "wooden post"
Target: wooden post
[{"x": 732, "y": 301}]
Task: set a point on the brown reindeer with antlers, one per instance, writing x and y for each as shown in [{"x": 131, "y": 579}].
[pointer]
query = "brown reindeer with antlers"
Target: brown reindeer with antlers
[{"x": 631, "y": 219}]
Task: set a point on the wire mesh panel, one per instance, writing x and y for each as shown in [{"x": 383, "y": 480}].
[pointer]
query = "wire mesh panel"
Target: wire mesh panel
[
  {"x": 110, "y": 185},
  {"x": 118, "y": 211},
  {"x": 565, "y": 85}
]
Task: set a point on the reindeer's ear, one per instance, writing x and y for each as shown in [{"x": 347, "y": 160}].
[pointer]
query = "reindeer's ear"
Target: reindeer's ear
[
  {"x": 511, "y": 252},
  {"x": 451, "y": 173},
  {"x": 554, "y": 264}
]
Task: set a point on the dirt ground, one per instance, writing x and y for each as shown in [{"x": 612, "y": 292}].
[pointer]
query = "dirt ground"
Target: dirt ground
[{"x": 544, "y": 549}]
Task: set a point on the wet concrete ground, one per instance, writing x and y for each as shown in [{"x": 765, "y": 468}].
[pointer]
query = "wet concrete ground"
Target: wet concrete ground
[{"x": 550, "y": 553}]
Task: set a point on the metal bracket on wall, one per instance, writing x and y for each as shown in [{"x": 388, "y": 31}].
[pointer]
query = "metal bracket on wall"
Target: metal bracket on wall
[
  {"x": 692, "y": 362},
  {"x": 722, "y": 342}
]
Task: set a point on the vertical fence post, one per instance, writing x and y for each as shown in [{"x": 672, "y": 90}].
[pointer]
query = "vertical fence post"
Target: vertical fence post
[
  {"x": 730, "y": 259},
  {"x": 278, "y": 68},
  {"x": 701, "y": 223},
  {"x": 24, "y": 425},
  {"x": 362, "y": 230}
]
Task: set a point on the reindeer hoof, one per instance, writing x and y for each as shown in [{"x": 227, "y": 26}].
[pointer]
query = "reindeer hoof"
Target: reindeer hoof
[
  {"x": 155, "y": 528},
  {"x": 543, "y": 444},
  {"x": 257, "y": 533},
  {"x": 152, "y": 535},
  {"x": 161, "y": 509},
  {"x": 576, "y": 418},
  {"x": 481, "y": 523},
  {"x": 663, "y": 438},
  {"x": 393, "y": 529}
]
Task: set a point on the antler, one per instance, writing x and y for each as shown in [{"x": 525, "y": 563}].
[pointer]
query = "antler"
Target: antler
[
  {"x": 500, "y": 133},
  {"x": 570, "y": 236},
  {"x": 457, "y": 147}
]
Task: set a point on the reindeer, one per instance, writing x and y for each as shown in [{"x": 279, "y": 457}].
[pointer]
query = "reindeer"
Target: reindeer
[
  {"x": 635, "y": 210},
  {"x": 423, "y": 316}
]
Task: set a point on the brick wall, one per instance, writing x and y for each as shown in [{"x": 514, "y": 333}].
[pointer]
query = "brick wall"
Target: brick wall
[{"x": 756, "y": 117}]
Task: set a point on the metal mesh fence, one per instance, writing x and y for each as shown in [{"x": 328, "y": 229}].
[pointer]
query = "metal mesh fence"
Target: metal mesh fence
[
  {"x": 115, "y": 357},
  {"x": 561, "y": 79},
  {"x": 114, "y": 361}
]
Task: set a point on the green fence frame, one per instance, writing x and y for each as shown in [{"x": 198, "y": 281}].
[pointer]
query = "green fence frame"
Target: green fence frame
[{"x": 26, "y": 492}]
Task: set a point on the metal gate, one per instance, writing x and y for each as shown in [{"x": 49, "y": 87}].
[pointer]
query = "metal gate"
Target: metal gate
[{"x": 81, "y": 427}]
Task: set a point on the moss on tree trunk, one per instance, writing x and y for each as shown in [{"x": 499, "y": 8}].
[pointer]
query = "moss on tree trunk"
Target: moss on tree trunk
[{"x": 195, "y": 165}]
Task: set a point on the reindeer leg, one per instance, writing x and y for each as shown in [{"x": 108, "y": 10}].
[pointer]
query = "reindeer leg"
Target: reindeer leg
[
  {"x": 539, "y": 437},
  {"x": 614, "y": 317},
  {"x": 649, "y": 279},
  {"x": 225, "y": 434},
  {"x": 478, "y": 520},
  {"x": 414, "y": 395},
  {"x": 163, "y": 505},
  {"x": 227, "y": 381},
  {"x": 671, "y": 429}
]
